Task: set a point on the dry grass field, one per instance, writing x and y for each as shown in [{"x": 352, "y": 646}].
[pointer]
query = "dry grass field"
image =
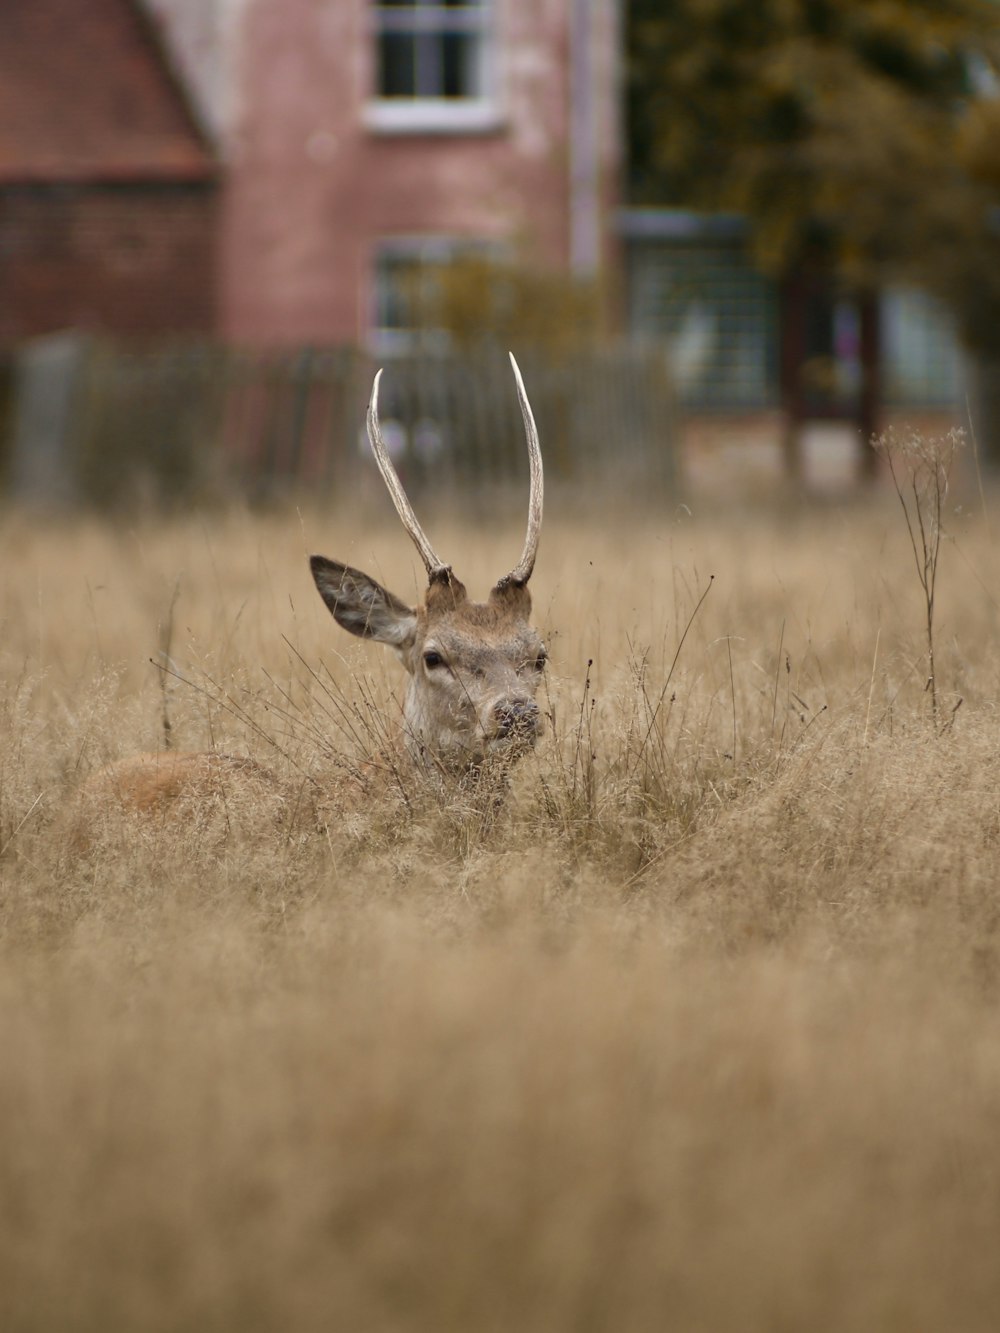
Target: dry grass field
[{"x": 702, "y": 1034}]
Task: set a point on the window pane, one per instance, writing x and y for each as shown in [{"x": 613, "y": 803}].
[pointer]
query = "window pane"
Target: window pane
[
  {"x": 397, "y": 65},
  {"x": 460, "y": 66}
]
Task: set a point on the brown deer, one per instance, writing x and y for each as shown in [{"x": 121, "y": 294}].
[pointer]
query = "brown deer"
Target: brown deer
[{"x": 474, "y": 667}]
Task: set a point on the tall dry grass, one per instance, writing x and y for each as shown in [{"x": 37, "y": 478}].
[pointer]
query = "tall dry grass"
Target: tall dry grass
[{"x": 703, "y": 1033}]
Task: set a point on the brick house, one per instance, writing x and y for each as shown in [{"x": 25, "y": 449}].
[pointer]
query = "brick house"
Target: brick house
[
  {"x": 362, "y": 140},
  {"x": 107, "y": 185}
]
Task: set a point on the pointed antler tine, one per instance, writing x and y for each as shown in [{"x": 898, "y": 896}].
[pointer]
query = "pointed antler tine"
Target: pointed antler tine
[
  {"x": 521, "y": 573},
  {"x": 435, "y": 566}
]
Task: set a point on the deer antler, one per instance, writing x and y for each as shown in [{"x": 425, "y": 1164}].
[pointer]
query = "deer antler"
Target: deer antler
[
  {"x": 437, "y": 570},
  {"x": 521, "y": 572}
]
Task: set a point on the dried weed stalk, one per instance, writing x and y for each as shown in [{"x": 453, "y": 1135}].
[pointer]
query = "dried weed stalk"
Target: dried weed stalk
[{"x": 920, "y": 468}]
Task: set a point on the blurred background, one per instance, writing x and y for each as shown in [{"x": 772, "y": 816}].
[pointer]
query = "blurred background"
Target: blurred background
[{"x": 728, "y": 243}]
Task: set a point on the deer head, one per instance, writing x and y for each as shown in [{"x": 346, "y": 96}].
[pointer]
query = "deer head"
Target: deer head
[{"x": 474, "y": 667}]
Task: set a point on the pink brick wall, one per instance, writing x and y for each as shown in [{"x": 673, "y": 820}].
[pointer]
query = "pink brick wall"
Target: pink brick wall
[{"x": 310, "y": 190}]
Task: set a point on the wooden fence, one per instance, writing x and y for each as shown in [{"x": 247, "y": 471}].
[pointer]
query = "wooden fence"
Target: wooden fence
[{"x": 98, "y": 423}]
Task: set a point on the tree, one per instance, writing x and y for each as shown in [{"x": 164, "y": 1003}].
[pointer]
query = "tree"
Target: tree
[{"x": 854, "y": 135}]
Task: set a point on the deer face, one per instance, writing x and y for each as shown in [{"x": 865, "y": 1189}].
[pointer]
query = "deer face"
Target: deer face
[{"x": 474, "y": 667}]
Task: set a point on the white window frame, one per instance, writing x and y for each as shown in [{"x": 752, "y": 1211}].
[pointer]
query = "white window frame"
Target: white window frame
[{"x": 421, "y": 114}]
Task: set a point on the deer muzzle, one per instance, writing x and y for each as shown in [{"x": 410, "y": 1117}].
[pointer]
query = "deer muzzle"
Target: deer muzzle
[{"x": 517, "y": 720}]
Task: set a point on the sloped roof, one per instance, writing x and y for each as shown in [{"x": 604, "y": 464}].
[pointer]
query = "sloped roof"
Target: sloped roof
[{"x": 86, "y": 95}]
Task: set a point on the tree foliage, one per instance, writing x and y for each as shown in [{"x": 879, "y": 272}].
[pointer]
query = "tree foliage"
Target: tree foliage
[{"x": 863, "y": 135}]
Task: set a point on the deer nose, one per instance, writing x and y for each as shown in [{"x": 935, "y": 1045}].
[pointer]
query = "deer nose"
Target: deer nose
[{"x": 516, "y": 717}]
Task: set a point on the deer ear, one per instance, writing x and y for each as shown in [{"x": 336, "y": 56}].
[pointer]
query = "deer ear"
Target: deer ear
[{"x": 362, "y": 606}]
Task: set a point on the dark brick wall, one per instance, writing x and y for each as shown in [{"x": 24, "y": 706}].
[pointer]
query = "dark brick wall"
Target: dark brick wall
[{"x": 132, "y": 260}]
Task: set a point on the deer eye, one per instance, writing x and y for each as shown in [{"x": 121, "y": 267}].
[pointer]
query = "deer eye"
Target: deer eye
[
  {"x": 432, "y": 660},
  {"x": 536, "y": 663}
]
